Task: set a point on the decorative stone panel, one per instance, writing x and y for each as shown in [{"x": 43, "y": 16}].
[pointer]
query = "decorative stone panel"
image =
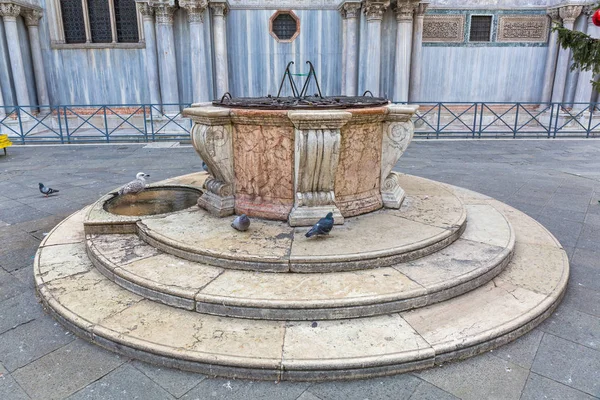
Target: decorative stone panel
[
  {"x": 520, "y": 28},
  {"x": 443, "y": 28}
]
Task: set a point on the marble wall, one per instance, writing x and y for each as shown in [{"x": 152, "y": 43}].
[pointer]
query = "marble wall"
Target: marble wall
[{"x": 257, "y": 61}]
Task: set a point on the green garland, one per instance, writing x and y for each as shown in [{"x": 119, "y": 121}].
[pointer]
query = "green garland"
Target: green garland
[{"x": 585, "y": 50}]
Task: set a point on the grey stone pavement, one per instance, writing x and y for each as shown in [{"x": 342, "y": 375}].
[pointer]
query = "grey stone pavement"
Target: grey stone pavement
[{"x": 555, "y": 181}]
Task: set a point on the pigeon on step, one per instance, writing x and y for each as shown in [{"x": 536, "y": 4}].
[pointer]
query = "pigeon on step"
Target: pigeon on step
[
  {"x": 323, "y": 227},
  {"x": 241, "y": 223},
  {"x": 46, "y": 191}
]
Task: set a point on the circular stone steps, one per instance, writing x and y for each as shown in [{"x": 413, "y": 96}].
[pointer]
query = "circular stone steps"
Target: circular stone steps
[
  {"x": 467, "y": 263},
  {"x": 430, "y": 218},
  {"x": 515, "y": 301}
]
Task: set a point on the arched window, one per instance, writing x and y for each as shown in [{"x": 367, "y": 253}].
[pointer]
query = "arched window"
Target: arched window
[{"x": 99, "y": 22}]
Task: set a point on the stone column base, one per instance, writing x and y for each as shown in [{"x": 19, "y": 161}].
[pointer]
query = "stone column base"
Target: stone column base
[
  {"x": 308, "y": 216},
  {"x": 217, "y": 205},
  {"x": 391, "y": 192}
]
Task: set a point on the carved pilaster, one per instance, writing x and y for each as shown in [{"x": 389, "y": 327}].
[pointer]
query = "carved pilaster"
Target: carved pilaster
[
  {"x": 350, "y": 9},
  {"x": 570, "y": 13},
  {"x": 212, "y": 138},
  {"x": 146, "y": 10},
  {"x": 219, "y": 9},
  {"x": 374, "y": 10},
  {"x": 316, "y": 159},
  {"x": 195, "y": 9},
  {"x": 398, "y": 132},
  {"x": 9, "y": 11},
  {"x": 32, "y": 17},
  {"x": 164, "y": 14}
]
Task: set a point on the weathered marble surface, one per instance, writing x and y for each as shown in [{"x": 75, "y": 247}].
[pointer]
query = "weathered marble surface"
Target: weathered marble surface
[
  {"x": 356, "y": 180},
  {"x": 264, "y": 161},
  {"x": 519, "y": 298}
]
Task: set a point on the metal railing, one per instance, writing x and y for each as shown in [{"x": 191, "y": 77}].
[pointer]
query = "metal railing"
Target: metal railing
[
  {"x": 507, "y": 120},
  {"x": 152, "y": 122},
  {"x": 95, "y": 123}
]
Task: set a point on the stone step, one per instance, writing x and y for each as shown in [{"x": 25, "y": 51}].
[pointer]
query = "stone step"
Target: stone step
[
  {"x": 514, "y": 302},
  {"x": 430, "y": 218},
  {"x": 464, "y": 265}
]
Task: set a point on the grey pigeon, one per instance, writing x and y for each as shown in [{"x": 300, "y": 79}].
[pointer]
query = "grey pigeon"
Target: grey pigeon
[
  {"x": 323, "y": 227},
  {"x": 241, "y": 223},
  {"x": 135, "y": 186},
  {"x": 46, "y": 191},
  {"x": 204, "y": 166}
]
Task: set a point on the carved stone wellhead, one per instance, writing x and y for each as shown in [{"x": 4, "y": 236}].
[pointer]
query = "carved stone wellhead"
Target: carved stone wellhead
[{"x": 298, "y": 165}]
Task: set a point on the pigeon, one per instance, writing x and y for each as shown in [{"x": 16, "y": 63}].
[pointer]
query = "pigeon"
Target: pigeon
[
  {"x": 46, "y": 191},
  {"x": 241, "y": 223},
  {"x": 204, "y": 166},
  {"x": 323, "y": 227},
  {"x": 135, "y": 186}
]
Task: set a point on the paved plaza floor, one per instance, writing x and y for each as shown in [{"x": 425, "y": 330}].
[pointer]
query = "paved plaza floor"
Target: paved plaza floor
[{"x": 555, "y": 181}]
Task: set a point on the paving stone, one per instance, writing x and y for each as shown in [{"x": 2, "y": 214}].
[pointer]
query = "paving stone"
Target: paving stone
[
  {"x": 565, "y": 231},
  {"x": 575, "y": 326},
  {"x": 9, "y": 388},
  {"x": 569, "y": 363},
  {"x": 30, "y": 341},
  {"x": 584, "y": 269},
  {"x": 242, "y": 390},
  {"x": 9, "y": 286},
  {"x": 522, "y": 351},
  {"x": 541, "y": 388},
  {"x": 125, "y": 382},
  {"x": 18, "y": 310},
  {"x": 395, "y": 387},
  {"x": 66, "y": 370},
  {"x": 25, "y": 277},
  {"x": 582, "y": 299},
  {"x": 13, "y": 260},
  {"x": 307, "y": 396},
  {"x": 173, "y": 381},
  {"x": 426, "y": 391},
  {"x": 496, "y": 378},
  {"x": 21, "y": 214}
]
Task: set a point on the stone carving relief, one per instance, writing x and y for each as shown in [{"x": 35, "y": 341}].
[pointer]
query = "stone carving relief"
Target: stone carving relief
[
  {"x": 443, "y": 28},
  {"x": 317, "y": 142},
  {"x": 398, "y": 132},
  {"x": 570, "y": 13},
  {"x": 32, "y": 17},
  {"x": 374, "y": 10},
  {"x": 214, "y": 144},
  {"x": 9, "y": 10},
  {"x": 350, "y": 10},
  {"x": 195, "y": 9},
  {"x": 164, "y": 14},
  {"x": 519, "y": 28}
]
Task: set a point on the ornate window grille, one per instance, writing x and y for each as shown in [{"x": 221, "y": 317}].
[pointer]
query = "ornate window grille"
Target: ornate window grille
[
  {"x": 98, "y": 23},
  {"x": 481, "y": 28},
  {"x": 285, "y": 26}
]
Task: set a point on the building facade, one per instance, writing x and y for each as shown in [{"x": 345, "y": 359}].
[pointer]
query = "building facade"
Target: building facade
[{"x": 85, "y": 52}]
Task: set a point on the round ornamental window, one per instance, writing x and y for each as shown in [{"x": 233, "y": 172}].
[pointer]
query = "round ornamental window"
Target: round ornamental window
[{"x": 285, "y": 26}]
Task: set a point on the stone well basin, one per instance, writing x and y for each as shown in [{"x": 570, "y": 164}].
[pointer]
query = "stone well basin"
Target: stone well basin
[{"x": 298, "y": 165}]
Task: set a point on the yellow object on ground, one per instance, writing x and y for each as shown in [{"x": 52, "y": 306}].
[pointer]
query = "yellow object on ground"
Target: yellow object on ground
[{"x": 4, "y": 142}]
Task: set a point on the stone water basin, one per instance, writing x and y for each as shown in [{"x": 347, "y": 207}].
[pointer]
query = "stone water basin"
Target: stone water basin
[{"x": 152, "y": 201}]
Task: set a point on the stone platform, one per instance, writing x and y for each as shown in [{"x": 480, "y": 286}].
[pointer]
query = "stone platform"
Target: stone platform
[{"x": 498, "y": 278}]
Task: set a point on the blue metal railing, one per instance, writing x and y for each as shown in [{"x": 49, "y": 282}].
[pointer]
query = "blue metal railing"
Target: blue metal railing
[
  {"x": 151, "y": 122},
  {"x": 95, "y": 123}
]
